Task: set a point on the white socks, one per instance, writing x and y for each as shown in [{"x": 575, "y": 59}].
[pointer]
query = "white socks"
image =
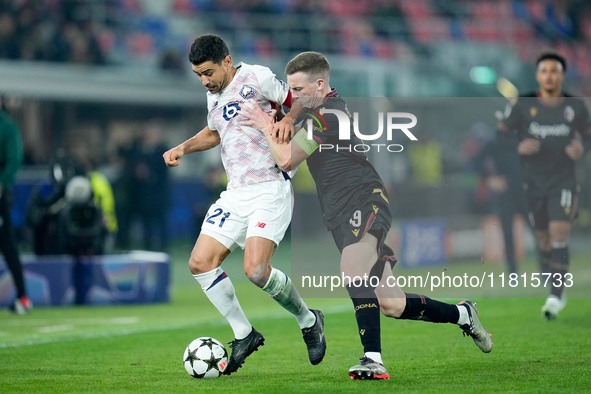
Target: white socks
[
  {"x": 220, "y": 291},
  {"x": 375, "y": 356},
  {"x": 280, "y": 288},
  {"x": 464, "y": 316}
]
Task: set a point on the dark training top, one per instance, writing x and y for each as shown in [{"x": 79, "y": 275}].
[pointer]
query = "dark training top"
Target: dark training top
[
  {"x": 555, "y": 123},
  {"x": 502, "y": 151},
  {"x": 11, "y": 152}
]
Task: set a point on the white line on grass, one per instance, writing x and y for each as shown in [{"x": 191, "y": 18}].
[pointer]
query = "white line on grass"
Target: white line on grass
[{"x": 216, "y": 322}]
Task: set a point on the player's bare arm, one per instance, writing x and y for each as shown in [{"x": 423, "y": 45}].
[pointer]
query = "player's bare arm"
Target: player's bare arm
[
  {"x": 528, "y": 146},
  {"x": 204, "y": 140},
  {"x": 286, "y": 155}
]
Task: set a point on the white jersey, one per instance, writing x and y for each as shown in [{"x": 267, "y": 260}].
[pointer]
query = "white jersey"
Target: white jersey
[{"x": 245, "y": 152}]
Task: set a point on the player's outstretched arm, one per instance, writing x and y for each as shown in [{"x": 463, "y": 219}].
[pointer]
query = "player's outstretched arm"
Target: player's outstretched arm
[{"x": 204, "y": 140}]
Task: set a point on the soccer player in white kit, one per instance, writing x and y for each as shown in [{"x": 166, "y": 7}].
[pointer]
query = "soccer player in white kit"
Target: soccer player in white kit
[{"x": 255, "y": 210}]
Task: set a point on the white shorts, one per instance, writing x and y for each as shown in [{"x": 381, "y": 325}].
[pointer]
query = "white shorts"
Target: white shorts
[{"x": 257, "y": 210}]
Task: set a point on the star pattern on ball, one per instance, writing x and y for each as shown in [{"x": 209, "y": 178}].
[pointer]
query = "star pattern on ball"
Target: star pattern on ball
[
  {"x": 191, "y": 355},
  {"x": 212, "y": 362},
  {"x": 205, "y": 357},
  {"x": 208, "y": 342}
]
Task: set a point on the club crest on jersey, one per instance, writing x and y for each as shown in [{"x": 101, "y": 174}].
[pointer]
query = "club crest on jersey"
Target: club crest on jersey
[
  {"x": 569, "y": 113},
  {"x": 247, "y": 92},
  {"x": 533, "y": 111}
]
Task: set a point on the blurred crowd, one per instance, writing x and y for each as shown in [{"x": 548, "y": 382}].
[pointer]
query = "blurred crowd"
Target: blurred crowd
[
  {"x": 131, "y": 31},
  {"x": 158, "y": 33},
  {"x": 45, "y": 30}
]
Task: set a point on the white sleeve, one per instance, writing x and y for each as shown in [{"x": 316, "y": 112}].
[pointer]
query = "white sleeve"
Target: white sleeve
[
  {"x": 272, "y": 88},
  {"x": 210, "y": 122}
]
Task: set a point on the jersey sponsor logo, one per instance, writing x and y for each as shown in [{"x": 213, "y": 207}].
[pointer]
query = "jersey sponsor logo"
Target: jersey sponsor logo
[
  {"x": 231, "y": 110},
  {"x": 355, "y": 232},
  {"x": 247, "y": 92},
  {"x": 543, "y": 131},
  {"x": 375, "y": 208},
  {"x": 362, "y": 331},
  {"x": 569, "y": 113},
  {"x": 260, "y": 224}
]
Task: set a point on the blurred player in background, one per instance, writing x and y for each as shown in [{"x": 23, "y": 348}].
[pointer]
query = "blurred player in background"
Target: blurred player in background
[
  {"x": 503, "y": 176},
  {"x": 551, "y": 127},
  {"x": 11, "y": 158},
  {"x": 255, "y": 210},
  {"x": 356, "y": 210}
]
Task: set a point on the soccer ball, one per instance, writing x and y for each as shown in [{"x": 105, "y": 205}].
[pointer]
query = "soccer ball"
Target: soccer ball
[{"x": 205, "y": 357}]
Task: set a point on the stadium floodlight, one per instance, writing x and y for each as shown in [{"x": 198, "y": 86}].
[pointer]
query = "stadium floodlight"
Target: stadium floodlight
[{"x": 483, "y": 75}]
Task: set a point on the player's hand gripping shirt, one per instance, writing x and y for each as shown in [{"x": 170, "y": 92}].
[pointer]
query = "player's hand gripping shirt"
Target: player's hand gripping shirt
[
  {"x": 555, "y": 123},
  {"x": 245, "y": 153}
]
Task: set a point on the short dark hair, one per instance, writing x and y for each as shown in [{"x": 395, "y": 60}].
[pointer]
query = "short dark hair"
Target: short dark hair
[
  {"x": 208, "y": 47},
  {"x": 312, "y": 63},
  {"x": 551, "y": 56}
]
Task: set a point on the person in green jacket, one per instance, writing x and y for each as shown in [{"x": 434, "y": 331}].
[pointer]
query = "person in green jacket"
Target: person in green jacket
[{"x": 11, "y": 158}]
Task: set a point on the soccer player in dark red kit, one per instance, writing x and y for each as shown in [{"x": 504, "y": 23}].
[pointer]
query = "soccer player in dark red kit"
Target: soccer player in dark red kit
[
  {"x": 356, "y": 210},
  {"x": 552, "y": 128}
]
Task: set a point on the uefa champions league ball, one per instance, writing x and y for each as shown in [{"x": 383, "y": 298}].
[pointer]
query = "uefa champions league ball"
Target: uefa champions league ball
[{"x": 205, "y": 357}]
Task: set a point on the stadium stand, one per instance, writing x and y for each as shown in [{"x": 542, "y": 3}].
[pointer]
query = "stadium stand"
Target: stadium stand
[{"x": 148, "y": 33}]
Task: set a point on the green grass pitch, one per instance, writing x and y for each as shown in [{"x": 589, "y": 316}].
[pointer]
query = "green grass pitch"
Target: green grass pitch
[{"x": 139, "y": 348}]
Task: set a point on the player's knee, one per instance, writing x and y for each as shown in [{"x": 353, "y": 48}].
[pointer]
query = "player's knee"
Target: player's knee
[
  {"x": 392, "y": 307},
  {"x": 559, "y": 239},
  {"x": 257, "y": 274},
  {"x": 200, "y": 265}
]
